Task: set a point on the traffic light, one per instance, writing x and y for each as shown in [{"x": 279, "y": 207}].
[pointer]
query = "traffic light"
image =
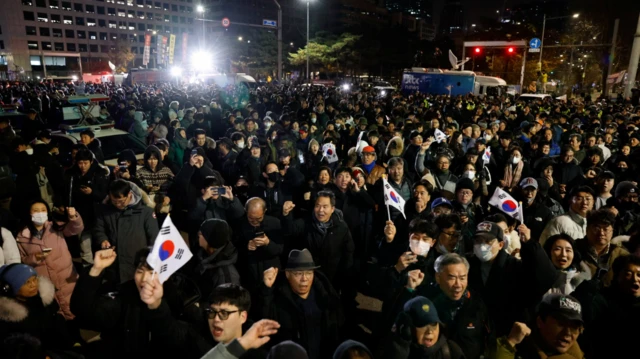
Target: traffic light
[
  {"x": 511, "y": 50},
  {"x": 477, "y": 50}
]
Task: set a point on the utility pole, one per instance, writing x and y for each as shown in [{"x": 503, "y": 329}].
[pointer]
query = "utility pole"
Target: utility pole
[
  {"x": 633, "y": 62},
  {"x": 279, "y": 40},
  {"x": 307, "y": 49},
  {"x": 612, "y": 54}
]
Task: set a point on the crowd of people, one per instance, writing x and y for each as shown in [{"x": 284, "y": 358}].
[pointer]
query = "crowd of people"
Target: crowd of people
[{"x": 294, "y": 250}]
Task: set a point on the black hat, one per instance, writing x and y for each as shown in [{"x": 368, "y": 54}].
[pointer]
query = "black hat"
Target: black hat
[
  {"x": 287, "y": 350},
  {"x": 300, "y": 260},
  {"x": 216, "y": 232},
  {"x": 284, "y": 152},
  {"x": 607, "y": 174},
  {"x": 488, "y": 231},
  {"x": 473, "y": 151},
  {"x": 561, "y": 305},
  {"x": 624, "y": 188},
  {"x": 422, "y": 311},
  {"x": 465, "y": 183},
  {"x": 543, "y": 187}
]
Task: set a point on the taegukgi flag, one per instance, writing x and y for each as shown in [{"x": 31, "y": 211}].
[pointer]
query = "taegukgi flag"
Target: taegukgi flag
[
  {"x": 393, "y": 198},
  {"x": 170, "y": 252},
  {"x": 504, "y": 202},
  {"x": 486, "y": 156},
  {"x": 439, "y": 135},
  {"x": 329, "y": 151}
]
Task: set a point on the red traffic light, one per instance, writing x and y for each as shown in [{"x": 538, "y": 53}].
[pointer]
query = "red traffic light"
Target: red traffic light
[
  {"x": 477, "y": 50},
  {"x": 511, "y": 50}
]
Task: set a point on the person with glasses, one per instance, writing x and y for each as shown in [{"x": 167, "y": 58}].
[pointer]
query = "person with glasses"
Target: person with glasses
[
  {"x": 558, "y": 325},
  {"x": 625, "y": 206},
  {"x": 574, "y": 222},
  {"x": 596, "y": 249},
  {"x": 305, "y": 304},
  {"x": 450, "y": 235},
  {"x": 470, "y": 212},
  {"x": 496, "y": 275}
]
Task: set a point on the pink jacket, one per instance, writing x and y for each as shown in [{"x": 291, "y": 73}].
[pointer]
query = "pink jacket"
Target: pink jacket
[{"x": 57, "y": 266}]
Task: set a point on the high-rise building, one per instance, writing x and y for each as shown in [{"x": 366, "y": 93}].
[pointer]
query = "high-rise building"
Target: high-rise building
[
  {"x": 452, "y": 18},
  {"x": 57, "y": 37},
  {"x": 421, "y": 9}
]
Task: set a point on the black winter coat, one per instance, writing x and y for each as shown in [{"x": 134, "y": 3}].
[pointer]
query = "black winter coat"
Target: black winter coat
[
  {"x": 96, "y": 178},
  {"x": 278, "y": 303},
  {"x": 522, "y": 281},
  {"x": 130, "y": 230},
  {"x": 333, "y": 251},
  {"x": 536, "y": 218}
]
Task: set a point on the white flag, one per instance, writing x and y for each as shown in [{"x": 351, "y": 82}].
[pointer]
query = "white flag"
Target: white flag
[
  {"x": 504, "y": 202},
  {"x": 393, "y": 198},
  {"x": 439, "y": 135},
  {"x": 359, "y": 139},
  {"x": 170, "y": 252},
  {"x": 329, "y": 151},
  {"x": 486, "y": 156}
]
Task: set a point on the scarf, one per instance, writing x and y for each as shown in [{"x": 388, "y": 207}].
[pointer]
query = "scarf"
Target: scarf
[
  {"x": 512, "y": 175},
  {"x": 369, "y": 167}
]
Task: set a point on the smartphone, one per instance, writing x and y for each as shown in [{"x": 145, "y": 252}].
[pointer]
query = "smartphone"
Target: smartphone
[
  {"x": 259, "y": 234},
  {"x": 46, "y": 250},
  {"x": 222, "y": 190},
  {"x": 123, "y": 167}
]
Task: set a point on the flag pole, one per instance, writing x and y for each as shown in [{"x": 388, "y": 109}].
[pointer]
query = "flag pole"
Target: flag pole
[
  {"x": 388, "y": 212},
  {"x": 521, "y": 217}
]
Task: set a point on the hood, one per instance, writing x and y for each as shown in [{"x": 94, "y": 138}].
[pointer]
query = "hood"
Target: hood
[
  {"x": 153, "y": 151},
  {"x": 138, "y": 116},
  {"x": 395, "y": 147},
  {"x": 209, "y": 144},
  {"x": 341, "y": 351},
  {"x": 13, "y": 311}
]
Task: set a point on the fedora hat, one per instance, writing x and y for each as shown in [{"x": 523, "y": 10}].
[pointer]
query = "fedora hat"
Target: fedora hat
[{"x": 300, "y": 260}]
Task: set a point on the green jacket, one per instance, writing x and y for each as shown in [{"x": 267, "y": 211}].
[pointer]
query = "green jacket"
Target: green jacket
[{"x": 529, "y": 350}]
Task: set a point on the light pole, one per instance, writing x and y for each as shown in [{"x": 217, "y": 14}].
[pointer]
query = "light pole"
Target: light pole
[
  {"x": 307, "y": 47},
  {"x": 200, "y": 9},
  {"x": 544, "y": 23}
]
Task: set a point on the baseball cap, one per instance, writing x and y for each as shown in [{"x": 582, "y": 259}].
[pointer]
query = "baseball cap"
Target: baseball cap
[
  {"x": 607, "y": 174},
  {"x": 422, "y": 311},
  {"x": 481, "y": 140},
  {"x": 529, "y": 182},
  {"x": 524, "y": 124},
  {"x": 284, "y": 153},
  {"x": 368, "y": 149},
  {"x": 625, "y": 187},
  {"x": 565, "y": 306},
  {"x": 441, "y": 201},
  {"x": 488, "y": 231}
]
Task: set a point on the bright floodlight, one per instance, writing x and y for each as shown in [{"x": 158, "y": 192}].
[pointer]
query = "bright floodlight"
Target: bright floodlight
[
  {"x": 346, "y": 87},
  {"x": 239, "y": 38},
  {"x": 200, "y": 8},
  {"x": 176, "y": 71},
  {"x": 203, "y": 60},
  {"x": 575, "y": 16},
  {"x": 74, "y": 78},
  {"x": 383, "y": 93}
]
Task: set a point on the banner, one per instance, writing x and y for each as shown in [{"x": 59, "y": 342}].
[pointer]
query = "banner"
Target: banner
[
  {"x": 170, "y": 251},
  {"x": 147, "y": 49},
  {"x": 164, "y": 49},
  {"x": 172, "y": 47},
  {"x": 184, "y": 48},
  {"x": 159, "y": 59},
  {"x": 392, "y": 198},
  {"x": 504, "y": 202}
]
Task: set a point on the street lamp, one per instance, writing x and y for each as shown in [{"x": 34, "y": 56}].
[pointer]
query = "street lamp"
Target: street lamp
[
  {"x": 239, "y": 38},
  {"x": 200, "y": 9},
  {"x": 544, "y": 23},
  {"x": 307, "y": 47}
]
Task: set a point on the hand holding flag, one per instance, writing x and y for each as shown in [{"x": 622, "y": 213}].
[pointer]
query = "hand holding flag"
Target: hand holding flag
[
  {"x": 329, "y": 152},
  {"x": 392, "y": 198},
  {"x": 504, "y": 202},
  {"x": 170, "y": 252},
  {"x": 439, "y": 135}
]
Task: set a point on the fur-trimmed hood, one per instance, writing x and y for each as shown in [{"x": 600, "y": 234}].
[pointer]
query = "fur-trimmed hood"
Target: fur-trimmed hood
[
  {"x": 210, "y": 143},
  {"x": 11, "y": 310},
  {"x": 395, "y": 147}
]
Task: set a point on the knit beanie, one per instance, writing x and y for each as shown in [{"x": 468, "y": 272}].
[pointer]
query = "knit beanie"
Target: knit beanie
[
  {"x": 287, "y": 350},
  {"x": 16, "y": 276},
  {"x": 465, "y": 183},
  {"x": 216, "y": 232}
]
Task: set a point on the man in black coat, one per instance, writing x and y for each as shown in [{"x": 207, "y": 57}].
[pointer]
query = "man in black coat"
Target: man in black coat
[
  {"x": 495, "y": 275},
  {"x": 536, "y": 215},
  {"x": 305, "y": 304},
  {"x": 125, "y": 222},
  {"x": 325, "y": 234}
]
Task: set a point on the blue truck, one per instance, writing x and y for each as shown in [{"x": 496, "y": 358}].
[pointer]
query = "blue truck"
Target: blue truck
[{"x": 454, "y": 83}]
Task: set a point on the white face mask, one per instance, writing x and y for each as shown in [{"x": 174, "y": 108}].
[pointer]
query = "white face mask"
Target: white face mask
[
  {"x": 240, "y": 145},
  {"x": 487, "y": 137},
  {"x": 29, "y": 151},
  {"x": 483, "y": 252},
  {"x": 469, "y": 174},
  {"x": 39, "y": 218},
  {"x": 267, "y": 125},
  {"x": 313, "y": 120},
  {"x": 419, "y": 247},
  {"x": 515, "y": 160}
]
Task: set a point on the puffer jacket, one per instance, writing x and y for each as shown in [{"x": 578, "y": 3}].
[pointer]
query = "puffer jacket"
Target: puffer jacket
[
  {"x": 57, "y": 266},
  {"x": 9, "y": 252},
  {"x": 376, "y": 174}
]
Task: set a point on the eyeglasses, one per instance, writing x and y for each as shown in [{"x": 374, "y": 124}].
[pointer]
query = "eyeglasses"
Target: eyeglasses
[
  {"x": 443, "y": 163},
  {"x": 222, "y": 314},
  {"x": 584, "y": 199},
  {"x": 454, "y": 234},
  {"x": 602, "y": 229},
  {"x": 466, "y": 193}
]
